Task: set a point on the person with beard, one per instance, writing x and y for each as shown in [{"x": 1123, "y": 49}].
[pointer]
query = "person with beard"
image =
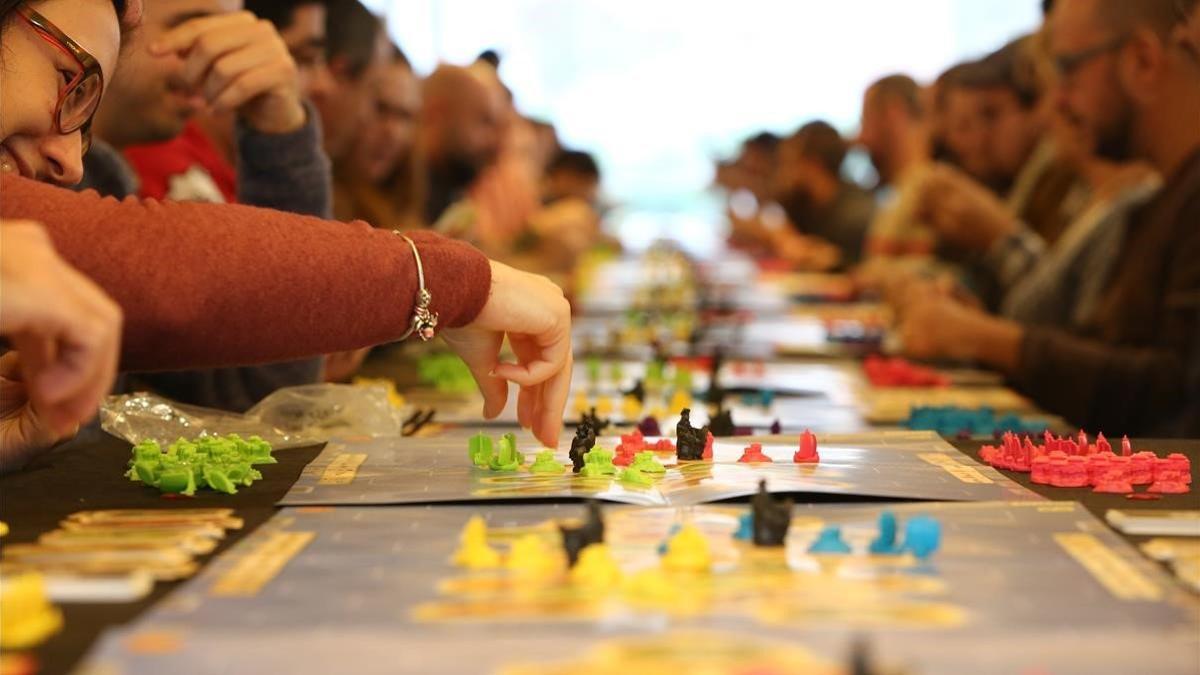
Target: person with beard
[
  {"x": 1134, "y": 366},
  {"x": 462, "y": 123},
  {"x": 819, "y": 203}
]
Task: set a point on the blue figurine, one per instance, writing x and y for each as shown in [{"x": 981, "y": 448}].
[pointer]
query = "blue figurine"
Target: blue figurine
[
  {"x": 829, "y": 541},
  {"x": 662, "y": 548},
  {"x": 922, "y": 536},
  {"x": 745, "y": 531},
  {"x": 885, "y": 543}
]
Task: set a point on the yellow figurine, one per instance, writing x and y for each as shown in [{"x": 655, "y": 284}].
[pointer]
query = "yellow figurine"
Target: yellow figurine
[
  {"x": 680, "y": 400},
  {"x": 631, "y": 409},
  {"x": 581, "y": 405},
  {"x": 687, "y": 551},
  {"x": 473, "y": 552},
  {"x": 26, "y": 616},
  {"x": 596, "y": 568},
  {"x": 531, "y": 556},
  {"x": 604, "y": 406}
]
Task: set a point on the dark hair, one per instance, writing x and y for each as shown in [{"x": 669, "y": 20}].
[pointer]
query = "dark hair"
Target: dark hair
[
  {"x": 351, "y": 30},
  {"x": 821, "y": 142},
  {"x": 902, "y": 89},
  {"x": 1159, "y": 15},
  {"x": 7, "y": 7},
  {"x": 1011, "y": 67},
  {"x": 575, "y": 161},
  {"x": 279, "y": 12},
  {"x": 764, "y": 140},
  {"x": 490, "y": 56}
]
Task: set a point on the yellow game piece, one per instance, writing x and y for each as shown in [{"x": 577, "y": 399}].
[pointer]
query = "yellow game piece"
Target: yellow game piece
[
  {"x": 581, "y": 404},
  {"x": 680, "y": 400},
  {"x": 3, "y": 528},
  {"x": 474, "y": 552},
  {"x": 687, "y": 551},
  {"x": 604, "y": 406},
  {"x": 653, "y": 587},
  {"x": 596, "y": 568},
  {"x": 531, "y": 556},
  {"x": 26, "y": 616},
  {"x": 631, "y": 408}
]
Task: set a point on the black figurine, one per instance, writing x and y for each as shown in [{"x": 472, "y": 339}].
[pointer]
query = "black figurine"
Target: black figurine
[
  {"x": 722, "y": 425},
  {"x": 638, "y": 391},
  {"x": 776, "y": 428},
  {"x": 771, "y": 517},
  {"x": 689, "y": 441},
  {"x": 592, "y": 420},
  {"x": 575, "y": 539},
  {"x": 585, "y": 439}
]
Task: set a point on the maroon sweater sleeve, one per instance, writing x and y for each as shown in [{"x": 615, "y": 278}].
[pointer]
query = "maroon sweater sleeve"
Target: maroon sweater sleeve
[{"x": 206, "y": 285}]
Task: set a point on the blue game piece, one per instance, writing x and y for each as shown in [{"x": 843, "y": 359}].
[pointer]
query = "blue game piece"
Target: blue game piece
[
  {"x": 922, "y": 536},
  {"x": 662, "y": 548},
  {"x": 745, "y": 531},
  {"x": 767, "y": 398},
  {"x": 829, "y": 541},
  {"x": 885, "y": 543}
]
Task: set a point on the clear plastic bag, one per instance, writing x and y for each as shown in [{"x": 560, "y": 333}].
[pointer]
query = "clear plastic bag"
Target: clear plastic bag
[{"x": 290, "y": 417}]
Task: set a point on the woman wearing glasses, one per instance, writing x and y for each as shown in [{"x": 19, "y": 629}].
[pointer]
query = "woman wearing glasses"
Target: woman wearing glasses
[{"x": 205, "y": 285}]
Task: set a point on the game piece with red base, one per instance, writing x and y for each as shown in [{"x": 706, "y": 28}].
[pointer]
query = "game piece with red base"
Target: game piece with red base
[
  {"x": 708, "y": 445},
  {"x": 1076, "y": 473},
  {"x": 1115, "y": 479},
  {"x": 663, "y": 445},
  {"x": 807, "y": 454},
  {"x": 753, "y": 454},
  {"x": 1180, "y": 462},
  {"x": 1040, "y": 471},
  {"x": 829, "y": 541},
  {"x": 1082, "y": 441},
  {"x": 1056, "y": 472},
  {"x": 776, "y": 428},
  {"x": 575, "y": 539},
  {"x": 922, "y": 536},
  {"x": 689, "y": 441},
  {"x": 1141, "y": 468},
  {"x": 1097, "y": 465},
  {"x": 1102, "y": 444},
  {"x": 1126, "y": 446},
  {"x": 772, "y": 517},
  {"x": 885, "y": 542},
  {"x": 1168, "y": 481}
]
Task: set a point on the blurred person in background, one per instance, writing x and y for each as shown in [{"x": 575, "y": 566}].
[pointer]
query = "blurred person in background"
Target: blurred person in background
[
  {"x": 357, "y": 51},
  {"x": 958, "y": 111}
]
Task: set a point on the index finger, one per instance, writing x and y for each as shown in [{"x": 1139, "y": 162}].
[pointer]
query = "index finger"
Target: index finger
[{"x": 184, "y": 36}]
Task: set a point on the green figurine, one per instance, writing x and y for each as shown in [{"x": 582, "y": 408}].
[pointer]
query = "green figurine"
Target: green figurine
[
  {"x": 507, "y": 458},
  {"x": 544, "y": 463},
  {"x": 480, "y": 450},
  {"x": 633, "y": 476},
  {"x": 598, "y": 462},
  {"x": 647, "y": 462}
]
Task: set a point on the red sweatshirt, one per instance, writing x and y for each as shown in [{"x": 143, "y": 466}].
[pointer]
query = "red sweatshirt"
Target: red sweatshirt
[{"x": 205, "y": 285}]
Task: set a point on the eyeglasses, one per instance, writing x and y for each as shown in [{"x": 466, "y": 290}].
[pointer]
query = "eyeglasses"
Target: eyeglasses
[
  {"x": 78, "y": 100},
  {"x": 1066, "y": 64}
]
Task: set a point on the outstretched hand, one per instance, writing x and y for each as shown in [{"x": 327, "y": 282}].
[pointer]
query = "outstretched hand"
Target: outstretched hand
[{"x": 532, "y": 312}]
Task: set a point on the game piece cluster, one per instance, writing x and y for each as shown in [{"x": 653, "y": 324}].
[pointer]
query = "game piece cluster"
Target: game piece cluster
[
  {"x": 896, "y": 372},
  {"x": 502, "y": 456},
  {"x": 1077, "y": 463},
  {"x": 956, "y": 421},
  {"x": 219, "y": 463}
]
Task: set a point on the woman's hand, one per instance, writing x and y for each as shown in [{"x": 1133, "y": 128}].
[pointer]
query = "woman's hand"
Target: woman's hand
[{"x": 532, "y": 312}]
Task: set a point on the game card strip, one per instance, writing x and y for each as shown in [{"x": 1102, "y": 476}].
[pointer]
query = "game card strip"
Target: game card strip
[
  {"x": 1115, "y": 573},
  {"x": 343, "y": 469},
  {"x": 966, "y": 474},
  {"x": 256, "y": 569}
]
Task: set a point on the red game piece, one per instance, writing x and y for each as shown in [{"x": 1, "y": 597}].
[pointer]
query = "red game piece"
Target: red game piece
[
  {"x": 663, "y": 445},
  {"x": 754, "y": 454},
  {"x": 708, "y": 445},
  {"x": 1181, "y": 463},
  {"x": 988, "y": 454},
  {"x": 1097, "y": 465},
  {"x": 1141, "y": 468},
  {"x": 1126, "y": 446},
  {"x": 1075, "y": 474},
  {"x": 807, "y": 454},
  {"x": 1168, "y": 482},
  {"x": 1115, "y": 479},
  {"x": 1083, "y": 443},
  {"x": 1040, "y": 470},
  {"x": 1102, "y": 444},
  {"x": 1056, "y": 472}
]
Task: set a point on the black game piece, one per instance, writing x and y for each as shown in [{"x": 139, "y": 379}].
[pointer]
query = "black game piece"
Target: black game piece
[
  {"x": 585, "y": 439},
  {"x": 771, "y": 517},
  {"x": 689, "y": 441},
  {"x": 722, "y": 425},
  {"x": 575, "y": 539},
  {"x": 593, "y": 420},
  {"x": 638, "y": 391},
  {"x": 860, "y": 658},
  {"x": 776, "y": 428}
]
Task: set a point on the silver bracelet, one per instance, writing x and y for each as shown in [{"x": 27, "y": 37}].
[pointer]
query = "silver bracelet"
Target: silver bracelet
[{"x": 424, "y": 321}]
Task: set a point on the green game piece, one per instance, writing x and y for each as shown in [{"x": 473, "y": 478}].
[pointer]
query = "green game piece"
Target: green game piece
[
  {"x": 598, "y": 462},
  {"x": 544, "y": 462},
  {"x": 219, "y": 463},
  {"x": 218, "y": 480},
  {"x": 616, "y": 372},
  {"x": 447, "y": 373},
  {"x": 683, "y": 379},
  {"x": 654, "y": 373},
  {"x": 480, "y": 450},
  {"x": 146, "y": 471},
  {"x": 633, "y": 476},
  {"x": 647, "y": 462},
  {"x": 593, "y": 369},
  {"x": 177, "y": 480},
  {"x": 507, "y": 458}
]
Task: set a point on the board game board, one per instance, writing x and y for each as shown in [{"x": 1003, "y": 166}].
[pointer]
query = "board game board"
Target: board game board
[
  {"x": 1016, "y": 588},
  {"x": 902, "y": 465}
]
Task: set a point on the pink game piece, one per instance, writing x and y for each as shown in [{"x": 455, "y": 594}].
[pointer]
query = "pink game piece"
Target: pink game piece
[
  {"x": 753, "y": 454},
  {"x": 1075, "y": 474},
  {"x": 1102, "y": 444},
  {"x": 1115, "y": 479},
  {"x": 1141, "y": 468},
  {"x": 1040, "y": 470},
  {"x": 1168, "y": 482},
  {"x": 708, "y": 447},
  {"x": 1097, "y": 465},
  {"x": 1083, "y": 443},
  {"x": 988, "y": 454},
  {"x": 807, "y": 454},
  {"x": 1126, "y": 446},
  {"x": 1182, "y": 464},
  {"x": 1057, "y": 470}
]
